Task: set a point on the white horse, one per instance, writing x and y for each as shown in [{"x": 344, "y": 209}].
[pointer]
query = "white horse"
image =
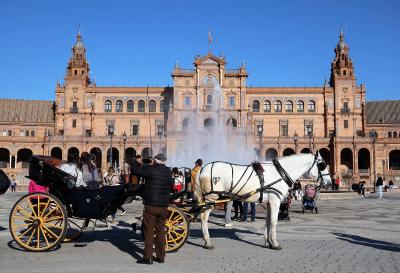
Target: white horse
[{"x": 241, "y": 181}]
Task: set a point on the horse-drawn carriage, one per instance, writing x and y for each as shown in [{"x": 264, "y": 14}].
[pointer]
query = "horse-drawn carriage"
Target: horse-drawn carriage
[{"x": 42, "y": 221}]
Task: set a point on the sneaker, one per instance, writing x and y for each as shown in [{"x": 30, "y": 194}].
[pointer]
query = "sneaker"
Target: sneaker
[
  {"x": 122, "y": 212},
  {"x": 228, "y": 225},
  {"x": 144, "y": 261}
]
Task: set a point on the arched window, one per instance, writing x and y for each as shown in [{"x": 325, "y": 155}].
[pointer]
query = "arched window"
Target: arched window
[
  {"x": 152, "y": 106},
  {"x": 32, "y": 133},
  {"x": 141, "y": 106},
  {"x": 289, "y": 106},
  {"x": 9, "y": 133},
  {"x": 107, "y": 106},
  {"x": 27, "y": 133},
  {"x": 389, "y": 134},
  {"x": 209, "y": 99},
  {"x": 311, "y": 106},
  {"x": 22, "y": 133},
  {"x": 394, "y": 134},
  {"x": 4, "y": 133},
  {"x": 300, "y": 106},
  {"x": 118, "y": 106},
  {"x": 162, "y": 106},
  {"x": 129, "y": 106},
  {"x": 267, "y": 106},
  {"x": 256, "y": 106},
  {"x": 278, "y": 106}
]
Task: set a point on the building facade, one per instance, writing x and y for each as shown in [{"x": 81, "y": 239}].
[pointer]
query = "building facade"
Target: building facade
[{"x": 358, "y": 139}]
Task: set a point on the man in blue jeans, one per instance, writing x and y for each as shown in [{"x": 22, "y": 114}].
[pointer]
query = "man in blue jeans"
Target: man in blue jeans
[{"x": 252, "y": 211}]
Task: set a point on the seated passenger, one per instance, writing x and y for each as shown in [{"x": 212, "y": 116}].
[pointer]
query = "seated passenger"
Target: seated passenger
[
  {"x": 89, "y": 171},
  {"x": 71, "y": 168}
]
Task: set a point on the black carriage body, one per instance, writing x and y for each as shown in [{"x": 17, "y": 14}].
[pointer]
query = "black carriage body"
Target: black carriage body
[{"x": 79, "y": 202}]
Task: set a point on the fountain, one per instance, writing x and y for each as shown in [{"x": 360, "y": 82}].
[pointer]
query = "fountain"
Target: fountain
[{"x": 215, "y": 139}]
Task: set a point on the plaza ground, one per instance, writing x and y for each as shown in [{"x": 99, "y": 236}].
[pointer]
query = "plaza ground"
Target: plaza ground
[{"x": 351, "y": 235}]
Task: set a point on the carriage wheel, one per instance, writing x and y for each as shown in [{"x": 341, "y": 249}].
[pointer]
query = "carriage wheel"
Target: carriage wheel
[
  {"x": 38, "y": 222},
  {"x": 177, "y": 229}
]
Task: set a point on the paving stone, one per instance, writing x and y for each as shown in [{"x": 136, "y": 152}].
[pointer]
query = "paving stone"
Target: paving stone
[{"x": 349, "y": 235}]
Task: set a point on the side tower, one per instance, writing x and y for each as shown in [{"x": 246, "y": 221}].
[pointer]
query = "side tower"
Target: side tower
[
  {"x": 74, "y": 102},
  {"x": 347, "y": 108}
]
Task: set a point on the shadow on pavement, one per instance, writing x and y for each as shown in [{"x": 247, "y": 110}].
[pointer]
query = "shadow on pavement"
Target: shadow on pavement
[
  {"x": 2, "y": 228},
  {"x": 231, "y": 233},
  {"x": 358, "y": 240}
]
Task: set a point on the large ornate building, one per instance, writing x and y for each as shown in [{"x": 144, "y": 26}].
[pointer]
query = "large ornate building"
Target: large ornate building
[{"x": 358, "y": 138}]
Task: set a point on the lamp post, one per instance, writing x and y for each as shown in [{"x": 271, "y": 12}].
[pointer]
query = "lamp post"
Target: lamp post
[
  {"x": 260, "y": 130},
  {"x": 295, "y": 138},
  {"x": 48, "y": 146},
  {"x": 160, "y": 131},
  {"x": 124, "y": 138},
  {"x": 373, "y": 135},
  {"x": 309, "y": 133},
  {"x": 111, "y": 134}
]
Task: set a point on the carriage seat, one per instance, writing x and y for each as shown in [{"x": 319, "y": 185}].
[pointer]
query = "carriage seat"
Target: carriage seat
[{"x": 96, "y": 204}]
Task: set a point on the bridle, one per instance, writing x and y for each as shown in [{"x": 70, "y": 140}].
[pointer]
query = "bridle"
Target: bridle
[{"x": 321, "y": 165}]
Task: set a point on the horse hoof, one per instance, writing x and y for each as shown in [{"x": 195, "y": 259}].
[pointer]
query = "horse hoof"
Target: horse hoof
[
  {"x": 209, "y": 247},
  {"x": 276, "y": 247}
]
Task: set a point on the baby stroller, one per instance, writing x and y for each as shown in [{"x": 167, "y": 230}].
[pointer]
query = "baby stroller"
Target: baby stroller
[
  {"x": 283, "y": 214},
  {"x": 308, "y": 200}
]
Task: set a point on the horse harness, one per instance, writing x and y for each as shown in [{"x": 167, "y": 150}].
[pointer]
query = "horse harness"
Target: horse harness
[{"x": 258, "y": 169}]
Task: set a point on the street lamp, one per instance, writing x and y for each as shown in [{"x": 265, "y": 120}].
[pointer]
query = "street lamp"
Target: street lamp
[
  {"x": 260, "y": 130},
  {"x": 295, "y": 138},
  {"x": 160, "y": 131},
  {"x": 373, "y": 135},
  {"x": 111, "y": 134},
  {"x": 124, "y": 138},
  {"x": 309, "y": 133}
]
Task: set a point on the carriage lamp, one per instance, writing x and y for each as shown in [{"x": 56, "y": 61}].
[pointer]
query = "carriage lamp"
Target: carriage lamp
[
  {"x": 110, "y": 130},
  {"x": 295, "y": 138}
]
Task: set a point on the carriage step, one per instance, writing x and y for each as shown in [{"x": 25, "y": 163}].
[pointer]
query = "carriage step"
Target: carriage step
[{"x": 87, "y": 229}]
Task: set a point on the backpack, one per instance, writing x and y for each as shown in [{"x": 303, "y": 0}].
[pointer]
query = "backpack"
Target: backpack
[{"x": 4, "y": 182}]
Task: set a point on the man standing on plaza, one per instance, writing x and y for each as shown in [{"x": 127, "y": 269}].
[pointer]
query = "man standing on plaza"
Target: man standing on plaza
[
  {"x": 194, "y": 173},
  {"x": 379, "y": 185},
  {"x": 157, "y": 188}
]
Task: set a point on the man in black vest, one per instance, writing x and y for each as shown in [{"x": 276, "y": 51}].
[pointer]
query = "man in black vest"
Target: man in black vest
[{"x": 157, "y": 188}]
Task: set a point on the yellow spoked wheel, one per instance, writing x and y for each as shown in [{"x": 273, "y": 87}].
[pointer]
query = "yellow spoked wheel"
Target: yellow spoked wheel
[
  {"x": 38, "y": 222},
  {"x": 177, "y": 229}
]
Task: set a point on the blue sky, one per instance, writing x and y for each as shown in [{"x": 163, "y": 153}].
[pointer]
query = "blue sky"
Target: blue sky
[{"x": 136, "y": 43}]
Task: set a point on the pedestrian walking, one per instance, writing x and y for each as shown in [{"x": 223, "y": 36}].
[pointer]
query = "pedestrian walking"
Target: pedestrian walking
[
  {"x": 13, "y": 184},
  {"x": 391, "y": 186},
  {"x": 157, "y": 188},
  {"x": 379, "y": 186},
  {"x": 252, "y": 211},
  {"x": 228, "y": 212},
  {"x": 238, "y": 209},
  {"x": 337, "y": 183}
]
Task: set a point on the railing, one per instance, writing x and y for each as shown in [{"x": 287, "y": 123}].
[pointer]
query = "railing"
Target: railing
[
  {"x": 74, "y": 110},
  {"x": 183, "y": 71},
  {"x": 345, "y": 110},
  {"x": 363, "y": 170}
]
